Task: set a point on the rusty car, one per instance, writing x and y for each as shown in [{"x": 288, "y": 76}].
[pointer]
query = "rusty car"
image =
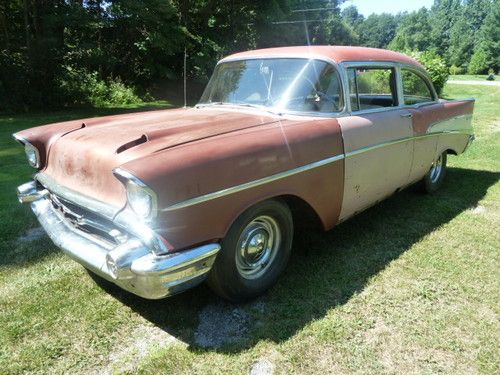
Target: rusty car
[{"x": 159, "y": 201}]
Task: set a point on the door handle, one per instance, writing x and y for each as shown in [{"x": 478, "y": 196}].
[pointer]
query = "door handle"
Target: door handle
[{"x": 407, "y": 115}]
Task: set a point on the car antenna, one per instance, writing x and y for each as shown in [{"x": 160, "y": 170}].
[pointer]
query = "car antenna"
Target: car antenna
[{"x": 185, "y": 90}]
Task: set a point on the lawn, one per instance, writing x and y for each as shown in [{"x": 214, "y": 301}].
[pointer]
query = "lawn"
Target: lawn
[
  {"x": 409, "y": 286},
  {"x": 470, "y": 77}
]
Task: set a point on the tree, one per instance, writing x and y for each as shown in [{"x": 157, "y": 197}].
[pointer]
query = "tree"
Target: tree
[
  {"x": 443, "y": 15},
  {"x": 465, "y": 31},
  {"x": 352, "y": 17},
  {"x": 479, "y": 62},
  {"x": 378, "y": 30},
  {"x": 414, "y": 32},
  {"x": 488, "y": 44}
]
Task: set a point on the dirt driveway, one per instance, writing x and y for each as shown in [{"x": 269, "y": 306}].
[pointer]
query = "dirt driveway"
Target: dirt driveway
[{"x": 484, "y": 83}]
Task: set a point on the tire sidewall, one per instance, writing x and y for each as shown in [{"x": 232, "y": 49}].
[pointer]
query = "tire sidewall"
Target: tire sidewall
[
  {"x": 429, "y": 185},
  {"x": 225, "y": 273}
]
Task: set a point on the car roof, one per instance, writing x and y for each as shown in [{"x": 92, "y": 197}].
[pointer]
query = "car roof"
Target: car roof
[{"x": 336, "y": 53}]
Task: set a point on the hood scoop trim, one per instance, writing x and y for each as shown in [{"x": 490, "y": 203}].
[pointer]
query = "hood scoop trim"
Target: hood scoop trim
[
  {"x": 136, "y": 142},
  {"x": 82, "y": 126}
]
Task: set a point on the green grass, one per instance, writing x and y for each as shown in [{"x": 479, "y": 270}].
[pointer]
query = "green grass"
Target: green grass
[
  {"x": 409, "y": 286},
  {"x": 470, "y": 77}
]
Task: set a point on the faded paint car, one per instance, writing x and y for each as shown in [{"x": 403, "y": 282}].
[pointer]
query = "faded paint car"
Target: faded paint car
[{"x": 156, "y": 202}]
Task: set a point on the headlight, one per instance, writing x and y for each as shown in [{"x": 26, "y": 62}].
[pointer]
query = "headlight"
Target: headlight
[
  {"x": 32, "y": 155},
  {"x": 140, "y": 197},
  {"x": 31, "y": 151}
]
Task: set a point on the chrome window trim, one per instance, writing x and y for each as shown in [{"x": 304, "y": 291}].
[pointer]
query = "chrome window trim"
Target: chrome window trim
[
  {"x": 423, "y": 75},
  {"x": 398, "y": 66},
  {"x": 338, "y": 68},
  {"x": 373, "y": 65}
]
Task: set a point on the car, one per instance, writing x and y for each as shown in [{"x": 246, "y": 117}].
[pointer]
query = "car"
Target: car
[{"x": 159, "y": 201}]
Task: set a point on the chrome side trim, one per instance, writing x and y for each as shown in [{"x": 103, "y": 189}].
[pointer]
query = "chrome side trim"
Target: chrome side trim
[
  {"x": 252, "y": 184},
  {"x": 98, "y": 207},
  {"x": 291, "y": 172},
  {"x": 402, "y": 140}
]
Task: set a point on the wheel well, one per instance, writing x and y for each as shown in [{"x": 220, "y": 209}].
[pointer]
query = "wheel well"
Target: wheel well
[{"x": 303, "y": 215}]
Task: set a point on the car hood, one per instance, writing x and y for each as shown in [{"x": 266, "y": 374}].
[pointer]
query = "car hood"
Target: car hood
[{"x": 83, "y": 157}]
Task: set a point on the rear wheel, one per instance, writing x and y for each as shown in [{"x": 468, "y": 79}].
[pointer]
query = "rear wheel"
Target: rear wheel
[
  {"x": 435, "y": 177},
  {"x": 254, "y": 252}
]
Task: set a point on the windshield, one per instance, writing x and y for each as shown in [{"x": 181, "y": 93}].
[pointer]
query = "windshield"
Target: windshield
[{"x": 280, "y": 84}]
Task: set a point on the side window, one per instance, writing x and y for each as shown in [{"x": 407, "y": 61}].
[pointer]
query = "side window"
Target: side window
[
  {"x": 372, "y": 88},
  {"x": 353, "y": 91},
  {"x": 415, "y": 89}
]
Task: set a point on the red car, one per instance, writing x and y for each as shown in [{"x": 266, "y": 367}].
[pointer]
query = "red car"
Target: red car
[{"x": 159, "y": 201}]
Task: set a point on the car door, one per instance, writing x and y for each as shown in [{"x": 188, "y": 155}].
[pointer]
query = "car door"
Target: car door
[
  {"x": 378, "y": 141},
  {"x": 420, "y": 99}
]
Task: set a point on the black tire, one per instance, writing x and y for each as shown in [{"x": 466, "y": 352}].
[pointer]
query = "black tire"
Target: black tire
[
  {"x": 434, "y": 178},
  {"x": 237, "y": 273}
]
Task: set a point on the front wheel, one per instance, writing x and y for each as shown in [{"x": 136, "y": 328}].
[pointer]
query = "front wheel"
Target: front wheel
[
  {"x": 254, "y": 252},
  {"x": 435, "y": 177}
]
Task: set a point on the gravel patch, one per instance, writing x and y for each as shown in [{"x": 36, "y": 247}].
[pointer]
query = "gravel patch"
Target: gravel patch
[
  {"x": 262, "y": 367},
  {"x": 126, "y": 356},
  {"x": 32, "y": 235},
  {"x": 221, "y": 324}
]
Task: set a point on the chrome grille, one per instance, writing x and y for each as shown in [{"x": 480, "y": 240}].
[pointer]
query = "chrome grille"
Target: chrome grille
[{"x": 87, "y": 221}]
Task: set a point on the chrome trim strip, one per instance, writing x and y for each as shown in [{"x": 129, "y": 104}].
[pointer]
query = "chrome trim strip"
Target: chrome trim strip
[
  {"x": 252, "y": 184},
  {"x": 291, "y": 172},
  {"x": 98, "y": 207},
  {"x": 402, "y": 140},
  {"x": 19, "y": 139}
]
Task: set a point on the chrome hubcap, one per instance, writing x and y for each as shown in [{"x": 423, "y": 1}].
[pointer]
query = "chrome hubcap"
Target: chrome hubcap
[
  {"x": 436, "y": 169},
  {"x": 257, "y": 247}
]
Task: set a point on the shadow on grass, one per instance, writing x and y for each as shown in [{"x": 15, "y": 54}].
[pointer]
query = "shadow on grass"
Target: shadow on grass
[{"x": 327, "y": 269}]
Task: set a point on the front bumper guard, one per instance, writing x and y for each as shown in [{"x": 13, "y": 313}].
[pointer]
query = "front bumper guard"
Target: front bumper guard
[{"x": 130, "y": 265}]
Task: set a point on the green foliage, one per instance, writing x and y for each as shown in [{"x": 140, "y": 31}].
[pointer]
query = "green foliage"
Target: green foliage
[
  {"x": 144, "y": 42},
  {"x": 378, "y": 30},
  {"x": 489, "y": 37},
  {"x": 479, "y": 62},
  {"x": 464, "y": 34},
  {"x": 82, "y": 87},
  {"x": 435, "y": 65},
  {"x": 456, "y": 70},
  {"x": 414, "y": 32}
]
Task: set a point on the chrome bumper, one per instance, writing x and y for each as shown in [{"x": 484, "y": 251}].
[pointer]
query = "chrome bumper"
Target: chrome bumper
[{"x": 131, "y": 265}]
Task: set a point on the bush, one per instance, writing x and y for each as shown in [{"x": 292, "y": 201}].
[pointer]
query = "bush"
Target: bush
[
  {"x": 456, "y": 70},
  {"x": 478, "y": 63},
  {"x": 436, "y": 67},
  {"x": 82, "y": 87}
]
